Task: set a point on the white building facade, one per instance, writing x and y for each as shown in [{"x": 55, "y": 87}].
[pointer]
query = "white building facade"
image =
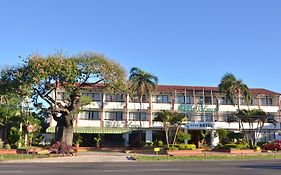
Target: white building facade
[{"x": 205, "y": 107}]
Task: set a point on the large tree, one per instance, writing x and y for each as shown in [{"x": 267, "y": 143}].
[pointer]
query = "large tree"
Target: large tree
[
  {"x": 234, "y": 89},
  {"x": 141, "y": 83},
  {"x": 44, "y": 75}
]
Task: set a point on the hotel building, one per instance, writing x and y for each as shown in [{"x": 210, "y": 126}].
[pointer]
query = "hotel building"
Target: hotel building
[{"x": 117, "y": 116}]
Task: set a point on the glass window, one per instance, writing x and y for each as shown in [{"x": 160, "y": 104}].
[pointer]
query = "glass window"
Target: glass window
[
  {"x": 208, "y": 100},
  {"x": 116, "y": 116},
  {"x": 135, "y": 99},
  {"x": 90, "y": 115},
  {"x": 160, "y": 99},
  {"x": 180, "y": 99},
  {"x": 114, "y": 98},
  {"x": 266, "y": 101},
  {"x": 96, "y": 97},
  {"x": 134, "y": 116},
  {"x": 200, "y": 100}
]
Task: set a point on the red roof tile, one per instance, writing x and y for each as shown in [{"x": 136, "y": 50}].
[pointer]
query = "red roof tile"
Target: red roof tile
[{"x": 172, "y": 88}]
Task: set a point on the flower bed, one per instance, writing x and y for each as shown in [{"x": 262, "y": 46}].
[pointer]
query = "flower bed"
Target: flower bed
[
  {"x": 8, "y": 151},
  {"x": 237, "y": 151},
  {"x": 184, "y": 152}
]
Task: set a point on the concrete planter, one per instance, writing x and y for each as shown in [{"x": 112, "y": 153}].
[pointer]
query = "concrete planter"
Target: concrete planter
[
  {"x": 184, "y": 152},
  {"x": 234, "y": 151},
  {"x": 8, "y": 151}
]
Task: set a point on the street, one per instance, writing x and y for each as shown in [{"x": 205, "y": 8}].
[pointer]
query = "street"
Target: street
[{"x": 252, "y": 167}]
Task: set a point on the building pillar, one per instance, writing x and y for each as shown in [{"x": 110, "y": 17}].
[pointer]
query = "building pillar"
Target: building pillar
[
  {"x": 126, "y": 111},
  {"x": 150, "y": 122},
  {"x": 148, "y": 135},
  {"x": 214, "y": 139},
  {"x": 125, "y": 136},
  {"x": 102, "y": 113}
]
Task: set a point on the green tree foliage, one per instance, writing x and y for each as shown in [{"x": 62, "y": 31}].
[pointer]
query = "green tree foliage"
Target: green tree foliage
[
  {"x": 41, "y": 76},
  {"x": 141, "y": 83},
  {"x": 255, "y": 118},
  {"x": 171, "y": 121},
  {"x": 234, "y": 89}
]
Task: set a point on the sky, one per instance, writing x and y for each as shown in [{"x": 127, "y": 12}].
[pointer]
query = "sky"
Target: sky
[{"x": 182, "y": 42}]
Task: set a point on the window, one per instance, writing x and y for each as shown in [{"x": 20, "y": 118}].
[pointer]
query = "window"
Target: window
[
  {"x": 90, "y": 115},
  {"x": 208, "y": 100},
  {"x": 61, "y": 95},
  {"x": 96, "y": 97},
  {"x": 134, "y": 116},
  {"x": 116, "y": 116},
  {"x": 200, "y": 100},
  {"x": 160, "y": 99},
  {"x": 180, "y": 99},
  {"x": 266, "y": 101},
  {"x": 206, "y": 117},
  {"x": 135, "y": 99},
  {"x": 114, "y": 98}
]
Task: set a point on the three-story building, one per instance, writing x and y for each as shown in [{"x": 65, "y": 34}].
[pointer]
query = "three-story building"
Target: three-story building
[{"x": 117, "y": 116}]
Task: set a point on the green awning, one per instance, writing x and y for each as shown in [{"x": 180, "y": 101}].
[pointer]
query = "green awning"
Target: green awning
[{"x": 94, "y": 130}]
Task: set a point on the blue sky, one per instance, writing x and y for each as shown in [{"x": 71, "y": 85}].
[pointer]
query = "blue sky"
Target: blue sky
[{"x": 183, "y": 42}]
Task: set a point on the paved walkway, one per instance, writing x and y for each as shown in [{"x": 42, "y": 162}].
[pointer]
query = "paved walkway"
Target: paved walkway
[{"x": 83, "y": 157}]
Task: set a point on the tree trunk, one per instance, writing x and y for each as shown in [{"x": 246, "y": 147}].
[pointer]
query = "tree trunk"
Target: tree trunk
[
  {"x": 64, "y": 131},
  {"x": 239, "y": 95},
  {"x": 167, "y": 136},
  {"x": 175, "y": 137}
]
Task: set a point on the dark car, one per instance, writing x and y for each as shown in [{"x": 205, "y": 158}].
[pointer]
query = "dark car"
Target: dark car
[{"x": 274, "y": 145}]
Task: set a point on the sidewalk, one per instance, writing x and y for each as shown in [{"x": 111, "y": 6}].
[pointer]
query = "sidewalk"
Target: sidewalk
[{"x": 82, "y": 157}]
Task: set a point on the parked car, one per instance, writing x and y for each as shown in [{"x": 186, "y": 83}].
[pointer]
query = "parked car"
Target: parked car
[{"x": 274, "y": 145}]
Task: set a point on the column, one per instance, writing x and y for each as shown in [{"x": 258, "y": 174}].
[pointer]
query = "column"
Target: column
[
  {"x": 125, "y": 136},
  {"x": 214, "y": 140},
  {"x": 148, "y": 135}
]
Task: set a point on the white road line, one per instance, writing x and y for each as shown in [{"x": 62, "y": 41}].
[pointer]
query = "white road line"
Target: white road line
[
  {"x": 143, "y": 170},
  {"x": 11, "y": 171}
]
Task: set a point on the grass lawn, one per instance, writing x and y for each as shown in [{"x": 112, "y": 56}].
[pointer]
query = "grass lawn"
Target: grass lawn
[
  {"x": 5, "y": 157},
  {"x": 230, "y": 157}
]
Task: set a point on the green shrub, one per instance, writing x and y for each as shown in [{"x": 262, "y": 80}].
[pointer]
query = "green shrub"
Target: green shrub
[
  {"x": 186, "y": 146},
  {"x": 260, "y": 144},
  {"x": 182, "y": 136},
  {"x": 160, "y": 143},
  {"x": 7, "y": 146},
  {"x": 149, "y": 144},
  {"x": 229, "y": 146},
  {"x": 236, "y": 146}
]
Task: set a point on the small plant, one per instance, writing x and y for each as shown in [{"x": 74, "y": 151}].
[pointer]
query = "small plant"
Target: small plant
[
  {"x": 160, "y": 143},
  {"x": 98, "y": 140},
  {"x": 77, "y": 139},
  {"x": 149, "y": 144}
]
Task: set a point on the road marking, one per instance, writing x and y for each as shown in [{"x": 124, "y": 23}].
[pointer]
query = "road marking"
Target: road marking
[
  {"x": 11, "y": 171},
  {"x": 143, "y": 170}
]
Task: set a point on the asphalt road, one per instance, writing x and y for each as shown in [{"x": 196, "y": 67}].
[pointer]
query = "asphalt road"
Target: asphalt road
[{"x": 256, "y": 167}]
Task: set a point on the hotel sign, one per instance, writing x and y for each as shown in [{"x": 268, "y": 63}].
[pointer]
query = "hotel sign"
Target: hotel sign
[
  {"x": 201, "y": 125},
  {"x": 200, "y": 108}
]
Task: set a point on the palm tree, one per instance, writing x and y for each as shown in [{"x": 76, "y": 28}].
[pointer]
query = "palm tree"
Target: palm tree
[
  {"x": 141, "y": 83},
  {"x": 170, "y": 120},
  {"x": 234, "y": 89},
  {"x": 177, "y": 121},
  {"x": 165, "y": 117}
]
